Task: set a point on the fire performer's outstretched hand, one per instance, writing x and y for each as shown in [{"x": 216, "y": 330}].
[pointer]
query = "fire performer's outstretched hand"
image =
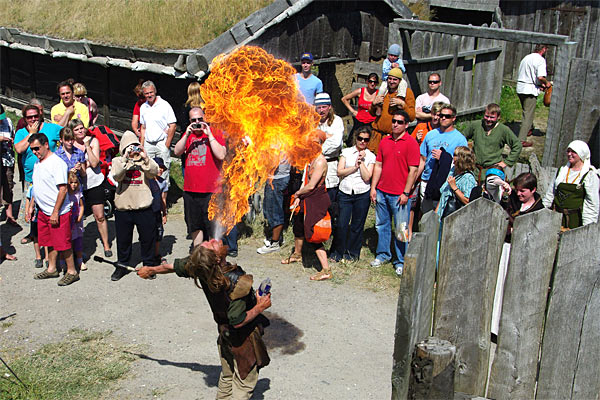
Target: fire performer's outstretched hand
[{"x": 147, "y": 272}]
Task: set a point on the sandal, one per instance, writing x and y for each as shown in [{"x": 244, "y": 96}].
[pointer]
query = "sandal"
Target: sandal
[
  {"x": 45, "y": 274},
  {"x": 26, "y": 239},
  {"x": 293, "y": 258},
  {"x": 321, "y": 276},
  {"x": 67, "y": 279},
  {"x": 6, "y": 256}
]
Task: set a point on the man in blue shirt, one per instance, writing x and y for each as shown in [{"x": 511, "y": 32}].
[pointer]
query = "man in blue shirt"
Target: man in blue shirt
[
  {"x": 446, "y": 137},
  {"x": 309, "y": 84},
  {"x": 35, "y": 124}
]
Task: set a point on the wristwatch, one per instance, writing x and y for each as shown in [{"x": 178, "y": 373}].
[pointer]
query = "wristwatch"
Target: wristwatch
[{"x": 406, "y": 194}]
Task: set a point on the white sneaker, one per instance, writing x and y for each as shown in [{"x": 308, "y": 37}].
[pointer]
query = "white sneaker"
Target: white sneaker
[
  {"x": 269, "y": 248},
  {"x": 267, "y": 242},
  {"x": 376, "y": 263},
  {"x": 399, "y": 269}
]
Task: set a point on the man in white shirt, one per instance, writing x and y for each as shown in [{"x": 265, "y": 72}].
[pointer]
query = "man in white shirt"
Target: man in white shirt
[
  {"x": 157, "y": 126},
  {"x": 424, "y": 101},
  {"x": 54, "y": 216},
  {"x": 530, "y": 82}
]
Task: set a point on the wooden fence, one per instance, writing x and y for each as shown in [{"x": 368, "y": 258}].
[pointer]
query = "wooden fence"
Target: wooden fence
[
  {"x": 559, "y": 329},
  {"x": 469, "y": 66}
]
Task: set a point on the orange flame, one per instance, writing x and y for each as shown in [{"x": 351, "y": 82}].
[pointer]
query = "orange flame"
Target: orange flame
[{"x": 252, "y": 95}]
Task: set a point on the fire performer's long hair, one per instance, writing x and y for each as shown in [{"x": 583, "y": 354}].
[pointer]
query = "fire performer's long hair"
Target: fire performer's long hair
[{"x": 204, "y": 265}]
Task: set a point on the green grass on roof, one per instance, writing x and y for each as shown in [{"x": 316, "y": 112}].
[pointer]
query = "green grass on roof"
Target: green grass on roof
[{"x": 156, "y": 24}]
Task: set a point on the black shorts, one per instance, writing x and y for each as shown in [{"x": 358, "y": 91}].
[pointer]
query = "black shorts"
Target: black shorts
[
  {"x": 94, "y": 195},
  {"x": 195, "y": 207}
]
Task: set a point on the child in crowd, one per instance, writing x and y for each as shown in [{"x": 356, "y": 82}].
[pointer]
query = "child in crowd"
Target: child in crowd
[
  {"x": 393, "y": 60},
  {"x": 158, "y": 187},
  {"x": 31, "y": 212},
  {"x": 76, "y": 198}
]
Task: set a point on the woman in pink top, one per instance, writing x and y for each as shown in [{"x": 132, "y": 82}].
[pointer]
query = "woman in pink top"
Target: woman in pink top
[{"x": 365, "y": 95}]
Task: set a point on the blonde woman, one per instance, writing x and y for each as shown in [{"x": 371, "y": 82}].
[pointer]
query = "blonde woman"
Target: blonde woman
[{"x": 456, "y": 190}]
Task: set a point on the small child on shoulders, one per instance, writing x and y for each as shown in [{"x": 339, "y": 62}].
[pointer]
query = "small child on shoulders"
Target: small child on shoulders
[
  {"x": 159, "y": 188},
  {"x": 392, "y": 61},
  {"x": 76, "y": 198}
]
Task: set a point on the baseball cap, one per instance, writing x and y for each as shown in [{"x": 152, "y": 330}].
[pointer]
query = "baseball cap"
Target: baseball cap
[
  {"x": 306, "y": 56},
  {"x": 160, "y": 162},
  {"x": 2, "y": 113}
]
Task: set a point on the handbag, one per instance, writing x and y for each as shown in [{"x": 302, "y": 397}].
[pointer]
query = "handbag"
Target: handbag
[
  {"x": 548, "y": 96},
  {"x": 322, "y": 230}
]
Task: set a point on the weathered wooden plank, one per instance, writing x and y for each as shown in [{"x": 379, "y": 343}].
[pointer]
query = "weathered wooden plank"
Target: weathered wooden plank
[
  {"x": 364, "y": 53},
  {"x": 589, "y": 111},
  {"x": 557, "y": 106},
  {"x": 463, "y": 306},
  {"x": 362, "y": 68},
  {"x": 415, "y": 301},
  {"x": 475, "y": 31},
  {"x": 498, "y": 74},
  {"x": 576, "y": 273},
  {"x": 587, "y": 377},
  {"x": 461, "y": 96},
  {"x": 513, "y": 373},
  {"x": 573, "y": 105},
  {"x": 449, "y": 75}
]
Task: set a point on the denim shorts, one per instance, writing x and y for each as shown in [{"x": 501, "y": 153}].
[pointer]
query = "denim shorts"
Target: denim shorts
[{"x": 273, "y": 201}]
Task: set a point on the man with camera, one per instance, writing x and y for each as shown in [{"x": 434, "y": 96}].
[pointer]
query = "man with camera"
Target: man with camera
[
  {"x": 424, "y": 101},
  {"x": 133, "y": 202},
  {"x": 203, "y": 150}
]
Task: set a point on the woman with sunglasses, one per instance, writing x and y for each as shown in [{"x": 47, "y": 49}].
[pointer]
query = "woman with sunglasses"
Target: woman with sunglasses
[
  {"x": 355, "y": 169},
  {"x": 365, "y": 95},
  {"x": 93, "y": 188}
]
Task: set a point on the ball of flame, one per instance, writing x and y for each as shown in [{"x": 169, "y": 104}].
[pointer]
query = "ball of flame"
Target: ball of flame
[{"x": 252, "y": 95}]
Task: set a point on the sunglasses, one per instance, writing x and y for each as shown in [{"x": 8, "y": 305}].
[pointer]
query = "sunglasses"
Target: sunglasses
[
  {"x": 35, "y": 148},
  {"x": 362, "y": 139},
  {"x": 372, "y": 81},
  {"x": 196, "y": 119},
  {"x": 447, "y": 116},
  {"x": 398, "y": 121},
  {"x": 32, "y": 116},
  {"x": 434, "y": 81}
]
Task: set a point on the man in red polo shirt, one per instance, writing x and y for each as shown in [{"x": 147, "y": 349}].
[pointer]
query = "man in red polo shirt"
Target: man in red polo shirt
[
  {"x": 393, "y": 181},
  {"x": 204, "y": 150}
]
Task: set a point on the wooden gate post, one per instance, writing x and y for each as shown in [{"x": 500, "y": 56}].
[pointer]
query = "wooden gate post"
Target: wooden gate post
[{"x": 415, "y": 301}]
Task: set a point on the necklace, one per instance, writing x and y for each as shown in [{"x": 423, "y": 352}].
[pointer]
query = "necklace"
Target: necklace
[{"x": 574, "y": 179}]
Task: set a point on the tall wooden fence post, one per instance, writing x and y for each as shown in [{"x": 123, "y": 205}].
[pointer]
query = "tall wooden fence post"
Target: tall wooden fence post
[
  {"x": 415, "y": 301},
  {"x": 534, "y": 242},
  {"x": 570, "y": 362},
  {"x": 470, "y": 251}
]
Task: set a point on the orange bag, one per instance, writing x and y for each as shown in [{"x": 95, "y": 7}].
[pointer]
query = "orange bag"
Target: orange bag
[
  {"x": 548, "y": 96},
  {"x": 322, "y": 230}
]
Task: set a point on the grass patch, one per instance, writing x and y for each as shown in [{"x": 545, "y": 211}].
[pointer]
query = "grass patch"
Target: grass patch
[
  {"x": 82, "y": 366},
  {"x": 511, "y": 107},
  {"x": 158, "y": 24}
]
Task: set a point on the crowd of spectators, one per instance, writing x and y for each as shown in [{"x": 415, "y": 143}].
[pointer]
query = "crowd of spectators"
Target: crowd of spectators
[{"x": 404, "y": 171}]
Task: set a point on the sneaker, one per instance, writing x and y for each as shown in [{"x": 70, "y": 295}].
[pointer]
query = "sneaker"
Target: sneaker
[
  {"x": 232, "y": 253},
  {"x": 335, "y": 257},
  {"x": 376, "y": 263},
  {"x": 39, "y": 263},
  {"x": 45, "y": 274},
  {"x": 67, "y": 279},
  {"x": 399, "y": 268},
  {"x": 269, "y": 247},
  {"x": 281, "y": 242},
  {"x": 108, "y": 253}
]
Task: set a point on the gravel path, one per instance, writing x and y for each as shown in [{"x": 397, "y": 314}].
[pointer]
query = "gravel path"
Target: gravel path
[{"x": 326, "y": 341}]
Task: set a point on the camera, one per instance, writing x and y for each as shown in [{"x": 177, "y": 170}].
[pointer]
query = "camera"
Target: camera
[
  {"x": 135, "y": 149},
  {"x": 426, "y": 109},
  {"x": 199, "y": 125}
]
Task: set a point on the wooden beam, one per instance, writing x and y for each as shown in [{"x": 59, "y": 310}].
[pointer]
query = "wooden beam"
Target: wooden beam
[
  {"x": 510, "y": 35},
  {"x": 480, "y": 51}
]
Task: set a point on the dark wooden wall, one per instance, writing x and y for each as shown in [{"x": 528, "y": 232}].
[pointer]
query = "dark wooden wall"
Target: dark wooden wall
[
  {"x": 25, "y": 75},
  {"x": 331, "y": 31},
  {"x": 578, "y": 19}
]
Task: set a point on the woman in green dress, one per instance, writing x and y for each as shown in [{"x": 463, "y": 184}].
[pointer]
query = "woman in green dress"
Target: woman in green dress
[{"x": 575, "y": 190}]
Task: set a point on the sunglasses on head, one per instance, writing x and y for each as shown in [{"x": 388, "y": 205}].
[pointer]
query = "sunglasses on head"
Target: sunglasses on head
[
  {"x": 362, "y": 139},
  {"x": 434, "y": 81},
  {"x": 446, "y": 116},
  {"x": 398, "y": 121}
]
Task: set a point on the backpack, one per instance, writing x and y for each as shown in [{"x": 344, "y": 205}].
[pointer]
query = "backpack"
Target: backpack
[{"x": 109, "y": 146}]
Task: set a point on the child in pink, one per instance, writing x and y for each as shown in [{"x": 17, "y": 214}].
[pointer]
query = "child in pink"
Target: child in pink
[{"x": 76, "y": 198}]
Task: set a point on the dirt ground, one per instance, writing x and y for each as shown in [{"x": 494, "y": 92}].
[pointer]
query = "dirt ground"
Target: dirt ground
[{"x": 326, "y": 340}]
